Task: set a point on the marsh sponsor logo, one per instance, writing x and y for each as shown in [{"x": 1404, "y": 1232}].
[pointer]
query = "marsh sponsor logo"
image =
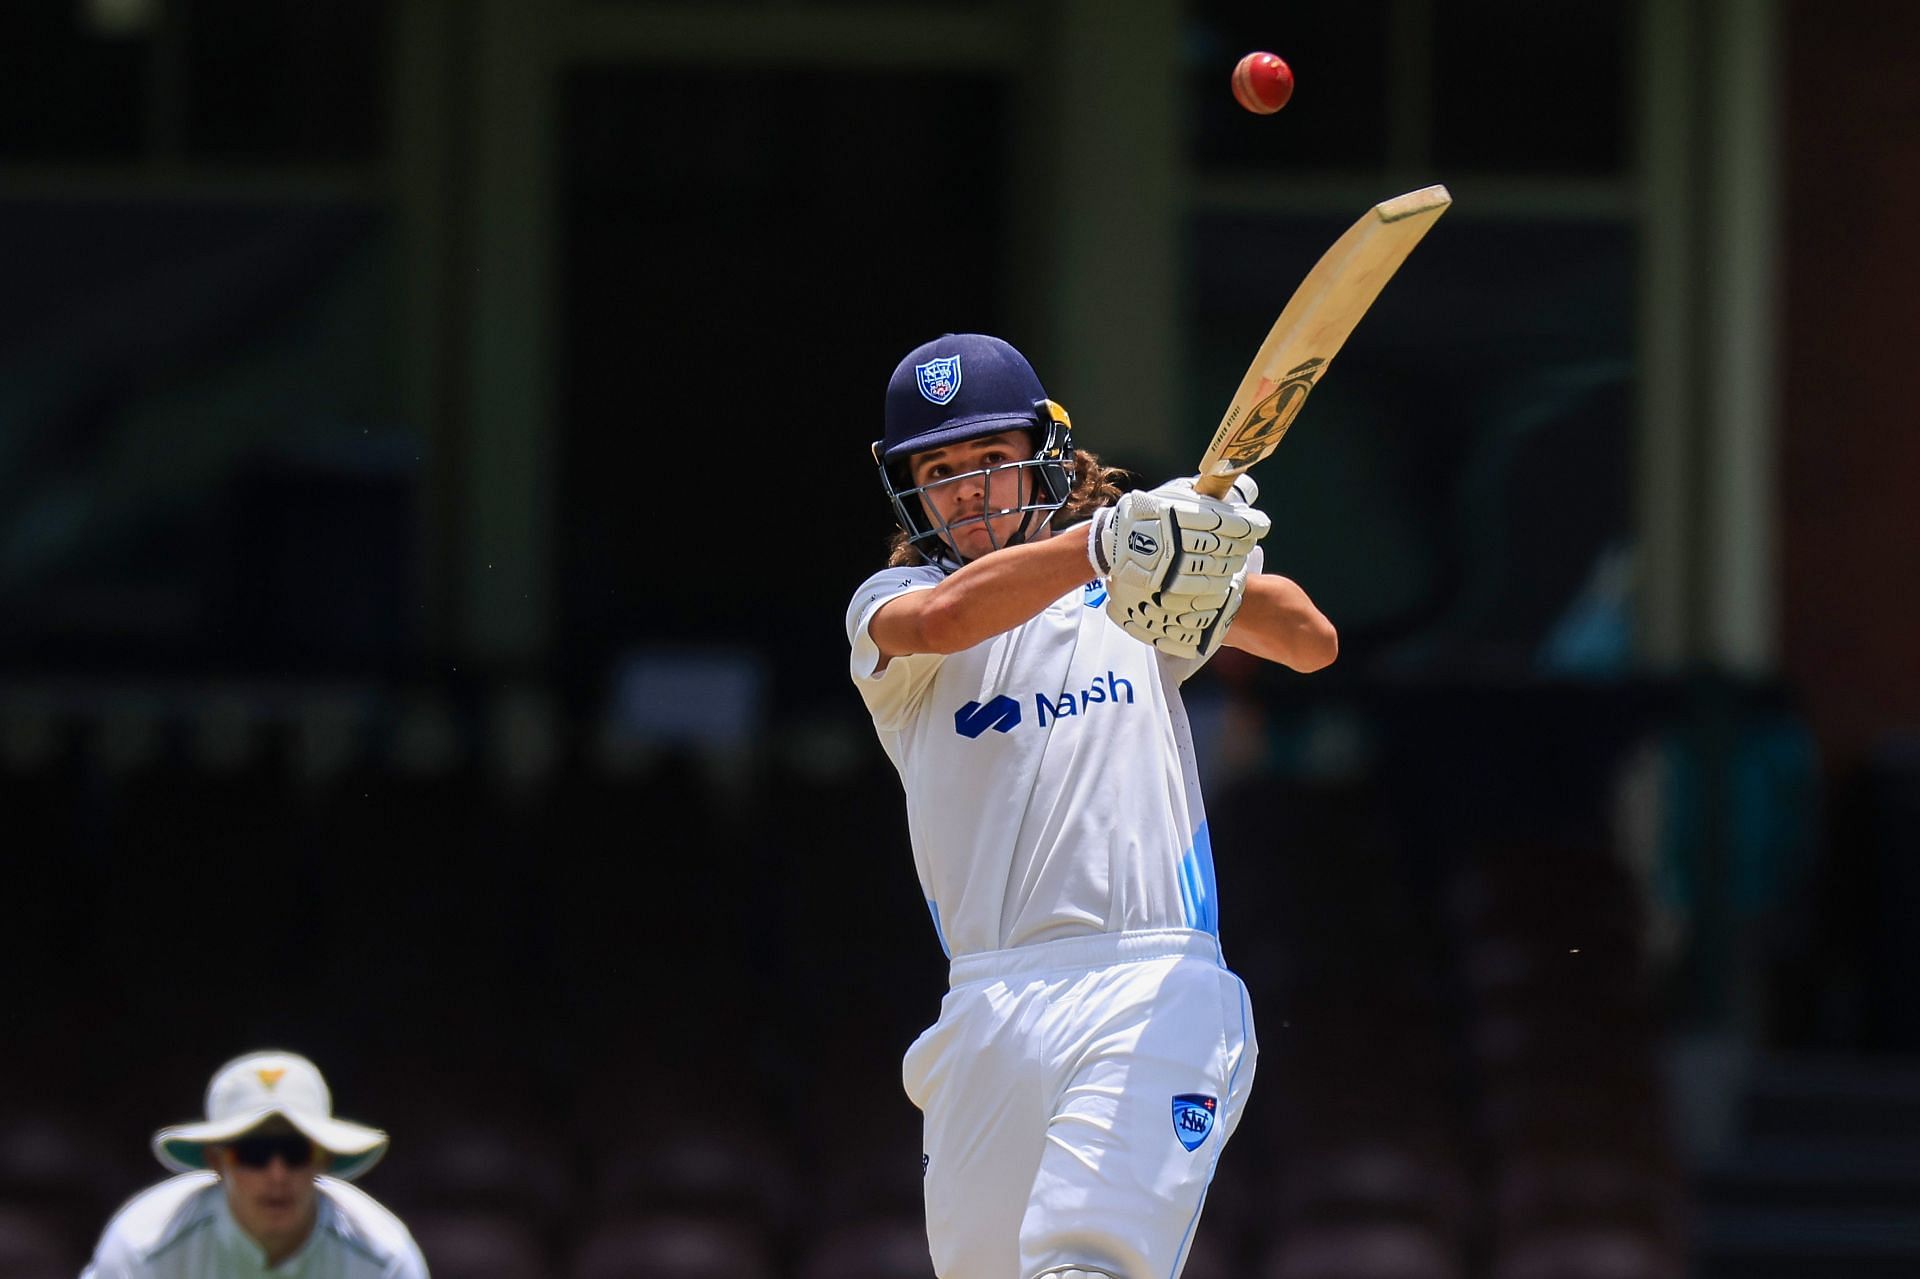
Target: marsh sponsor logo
[
  {"x": 1108, "y": 689},
  {"x": 1003, "y": 715}
]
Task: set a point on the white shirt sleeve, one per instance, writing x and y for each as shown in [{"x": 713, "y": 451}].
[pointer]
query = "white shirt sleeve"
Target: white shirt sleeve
[
  {"x": 115, "y": 1257},
  {"x": 409, "y": 1264},
  {"x": 140, "y": 1224},
  {"x": 105, "y": 1267},
  {"x": 889, "y": 688}
]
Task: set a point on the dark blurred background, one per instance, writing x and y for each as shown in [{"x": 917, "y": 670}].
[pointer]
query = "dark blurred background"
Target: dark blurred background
[{"x": 433, "y": 469}]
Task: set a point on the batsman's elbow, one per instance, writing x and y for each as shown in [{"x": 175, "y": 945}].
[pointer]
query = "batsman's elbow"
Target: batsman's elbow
[
  {"x": 1315, "y": 646},
  {"x": 944, "y": 625}
]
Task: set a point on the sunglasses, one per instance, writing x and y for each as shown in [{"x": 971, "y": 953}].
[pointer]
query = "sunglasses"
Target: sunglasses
[{"x": 258, "y": 1152}]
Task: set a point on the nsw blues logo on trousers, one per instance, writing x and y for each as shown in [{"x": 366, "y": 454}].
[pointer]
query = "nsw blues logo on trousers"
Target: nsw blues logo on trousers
[{"x": 1193, "y": 1118}]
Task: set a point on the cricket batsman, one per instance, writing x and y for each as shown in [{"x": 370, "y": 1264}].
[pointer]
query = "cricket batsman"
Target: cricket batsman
[{"x": 1022, "y": 656}]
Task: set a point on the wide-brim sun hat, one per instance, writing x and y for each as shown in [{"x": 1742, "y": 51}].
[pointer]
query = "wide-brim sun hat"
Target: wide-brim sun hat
[{"x": 258, "y": 1088}]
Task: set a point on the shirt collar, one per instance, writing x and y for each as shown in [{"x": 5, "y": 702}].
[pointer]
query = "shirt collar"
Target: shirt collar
[{"x": 234, "y": 1239}]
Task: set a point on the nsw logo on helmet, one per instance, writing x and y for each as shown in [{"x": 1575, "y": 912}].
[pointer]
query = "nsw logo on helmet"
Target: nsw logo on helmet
[{"x": 939, "y": 379}]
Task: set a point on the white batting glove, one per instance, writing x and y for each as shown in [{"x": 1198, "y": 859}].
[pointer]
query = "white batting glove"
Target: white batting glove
[
  {"x": 1183, "y": 625},
  {"x": 1150, "y": 542},
  {"x": 1199, "y": 512},
  {"x": 1176, "y": 562},
  {"x": 1244, "y": 492}
]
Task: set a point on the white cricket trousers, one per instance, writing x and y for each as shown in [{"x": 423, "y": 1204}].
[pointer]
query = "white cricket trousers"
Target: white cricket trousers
[{"x": 1077, "y": 1095}]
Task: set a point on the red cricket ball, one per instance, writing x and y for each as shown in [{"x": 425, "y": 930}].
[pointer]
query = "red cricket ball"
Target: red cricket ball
[{"x": 1262, "y": 83}]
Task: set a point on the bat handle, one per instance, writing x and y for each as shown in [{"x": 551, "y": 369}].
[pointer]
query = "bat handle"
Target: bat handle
[{"x": 1214, "y": 485}]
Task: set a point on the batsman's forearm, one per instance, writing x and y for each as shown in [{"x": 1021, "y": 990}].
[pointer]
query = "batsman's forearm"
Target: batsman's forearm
[
  {"x": 998, "y": 592},
  {"x": 1279, "y": 623}
]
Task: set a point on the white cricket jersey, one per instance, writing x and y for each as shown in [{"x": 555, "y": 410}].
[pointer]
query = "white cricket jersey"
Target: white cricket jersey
[
  {"x": 1049, "y": 773},
  {"x": 182, "y": 1229}
]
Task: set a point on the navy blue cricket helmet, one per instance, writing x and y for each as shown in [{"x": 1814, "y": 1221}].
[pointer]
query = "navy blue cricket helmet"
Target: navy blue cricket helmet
[{"x": 959, "y": 387}]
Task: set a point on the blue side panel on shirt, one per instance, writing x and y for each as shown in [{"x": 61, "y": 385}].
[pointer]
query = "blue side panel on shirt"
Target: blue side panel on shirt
[
  {"x": 933, "y": 908},
  {"x": 1198, "y": 893}
]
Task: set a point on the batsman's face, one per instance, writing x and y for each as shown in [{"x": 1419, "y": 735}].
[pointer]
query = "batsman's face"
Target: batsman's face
[
  {"x": 273, "y": 1198},
  {"x": 977, "y": 505}
]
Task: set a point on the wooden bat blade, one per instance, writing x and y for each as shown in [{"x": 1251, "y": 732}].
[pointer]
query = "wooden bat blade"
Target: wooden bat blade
[{"x": 1311, "y": 329}]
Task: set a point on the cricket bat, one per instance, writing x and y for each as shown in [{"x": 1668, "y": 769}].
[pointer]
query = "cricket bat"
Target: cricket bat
[{"x": 1311, "y": 330}]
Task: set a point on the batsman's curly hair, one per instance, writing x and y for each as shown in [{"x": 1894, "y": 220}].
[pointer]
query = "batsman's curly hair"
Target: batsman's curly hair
[{"x": 1094, "y": 485}]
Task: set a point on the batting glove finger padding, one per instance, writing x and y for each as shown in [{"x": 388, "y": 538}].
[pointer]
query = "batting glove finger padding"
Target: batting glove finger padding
[
  {"x": 1144, "y": 541},
  {"x": 1244, "y": 492},
  {"x": 1175, "y": 563},
  {"x": 1182, "y": 625},
  {"x": 1232, "y": 520}
]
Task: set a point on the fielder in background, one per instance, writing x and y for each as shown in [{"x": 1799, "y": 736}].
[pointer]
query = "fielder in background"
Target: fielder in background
[
  {"x": 262, "y": 1190},
  {"x": 1022, "y": 657}
]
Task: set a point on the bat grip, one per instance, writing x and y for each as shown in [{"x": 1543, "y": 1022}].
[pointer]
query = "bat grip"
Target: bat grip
[{"x": 1214, "y": 485}]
